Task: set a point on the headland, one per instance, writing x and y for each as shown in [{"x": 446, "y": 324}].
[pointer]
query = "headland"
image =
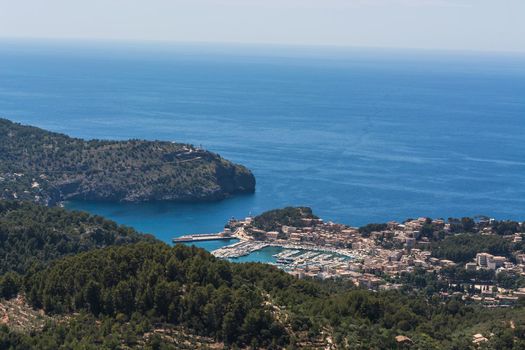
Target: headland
[{"x": 47, "y": 168}]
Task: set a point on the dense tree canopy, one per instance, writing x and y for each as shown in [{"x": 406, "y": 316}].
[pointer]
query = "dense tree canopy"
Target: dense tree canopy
[
  {"x": 179, "y": 285},
  {"x": 464, "y": 247},
  {"x": 106, "y": 286},
  {"x": 32, "y": 234},
  {"x": 247, "y": 304}
]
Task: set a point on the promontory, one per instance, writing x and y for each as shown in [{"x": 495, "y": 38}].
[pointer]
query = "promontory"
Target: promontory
[{"x": 48, "y": 167}]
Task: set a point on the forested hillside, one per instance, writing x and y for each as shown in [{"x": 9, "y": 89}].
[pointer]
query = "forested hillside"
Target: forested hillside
[
  {"x": 32, "y": 235},
  {"x": 48, "y": 167},
  {"x": 136, "y": 288},
  {"x": 104, "y": 286},
  {"x": 180, "y": 285}
]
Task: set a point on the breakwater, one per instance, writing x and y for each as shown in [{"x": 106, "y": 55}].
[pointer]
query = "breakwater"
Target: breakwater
[{"x": 202, "y": 238}]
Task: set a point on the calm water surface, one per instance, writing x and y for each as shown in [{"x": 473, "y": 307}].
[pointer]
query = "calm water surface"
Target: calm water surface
[{"x": 360, "y": 136}]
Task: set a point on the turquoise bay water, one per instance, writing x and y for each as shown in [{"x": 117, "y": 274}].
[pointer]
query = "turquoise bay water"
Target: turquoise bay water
[
  {"x": 265, "y": 255},
  {"x": 212, "y": 245},
  {"x": 360, "y": 136}
]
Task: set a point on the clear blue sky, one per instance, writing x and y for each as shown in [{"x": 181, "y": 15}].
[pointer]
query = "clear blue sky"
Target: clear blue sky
[{"x": 487, "y": 25}]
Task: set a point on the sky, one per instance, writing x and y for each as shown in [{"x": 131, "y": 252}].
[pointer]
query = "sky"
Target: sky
[{"x": 480, "y": 25}]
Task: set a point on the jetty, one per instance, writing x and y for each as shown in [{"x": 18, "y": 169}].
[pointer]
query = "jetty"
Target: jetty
[{"x": 203, "y": 237}]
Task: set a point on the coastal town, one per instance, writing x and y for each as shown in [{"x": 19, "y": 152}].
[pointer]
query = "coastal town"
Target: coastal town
[{"x": 377, "y": 256}]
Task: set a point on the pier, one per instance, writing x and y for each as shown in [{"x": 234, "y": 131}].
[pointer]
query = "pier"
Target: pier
[{"x": 202, "y": 238}]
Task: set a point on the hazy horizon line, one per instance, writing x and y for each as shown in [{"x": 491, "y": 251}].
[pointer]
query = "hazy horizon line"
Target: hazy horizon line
[{"x": 218, "y": 44}]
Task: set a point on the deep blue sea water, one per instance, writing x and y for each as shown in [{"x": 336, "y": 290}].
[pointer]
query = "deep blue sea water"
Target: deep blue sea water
[{"x": 359, "y": 135}]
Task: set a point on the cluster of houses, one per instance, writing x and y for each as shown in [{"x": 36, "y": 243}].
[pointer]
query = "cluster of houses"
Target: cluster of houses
[
  {"x": 314, "y": 231},
  {"x": 486, "y": 261},
  {"x": 28, "y": 188},
  {"x": 395, "y": 249}
]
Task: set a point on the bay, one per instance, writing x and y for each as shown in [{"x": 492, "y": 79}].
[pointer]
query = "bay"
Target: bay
[{"x": 359, "y": 135}]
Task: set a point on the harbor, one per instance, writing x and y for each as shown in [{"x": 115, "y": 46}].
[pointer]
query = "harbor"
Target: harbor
[
  {"x": 288, "y": 256},
  {"x": 293, "y": 259},
  {"x": 246, "y": 247},
  {"x": 239, "y": 249}
]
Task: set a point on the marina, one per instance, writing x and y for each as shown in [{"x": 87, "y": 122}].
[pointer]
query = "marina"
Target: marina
[
  {"x": 292, "y": 259},
  {"x": 289, "y": 256},
  {"x": 239, "y": 249}
]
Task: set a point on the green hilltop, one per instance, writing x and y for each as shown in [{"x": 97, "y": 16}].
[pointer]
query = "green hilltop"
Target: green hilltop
[{"x": 48, "y": 167}]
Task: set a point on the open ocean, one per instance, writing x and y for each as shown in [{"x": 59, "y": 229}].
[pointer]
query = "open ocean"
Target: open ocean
[{"x": 358, "y": 135}]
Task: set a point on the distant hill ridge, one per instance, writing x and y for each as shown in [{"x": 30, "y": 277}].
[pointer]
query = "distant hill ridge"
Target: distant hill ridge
[{"x": 49, "y": 167}]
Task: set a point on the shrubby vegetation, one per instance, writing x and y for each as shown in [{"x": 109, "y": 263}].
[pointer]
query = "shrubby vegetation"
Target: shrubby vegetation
[
  {"x": 272, "y": 220},
  {"x": 500, "y": 227},
  {"x": 507, "y": 227},
  {"x": 463, "y": 247},
  {"x": 463, "y": 225},
  {"x": 48, "y": 167},
  {"x": 366, "y": 230},
  {"x": 88, "y": 332}
]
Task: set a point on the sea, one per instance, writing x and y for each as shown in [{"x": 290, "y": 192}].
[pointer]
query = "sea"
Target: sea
[{"x": 360, "y": 135}]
